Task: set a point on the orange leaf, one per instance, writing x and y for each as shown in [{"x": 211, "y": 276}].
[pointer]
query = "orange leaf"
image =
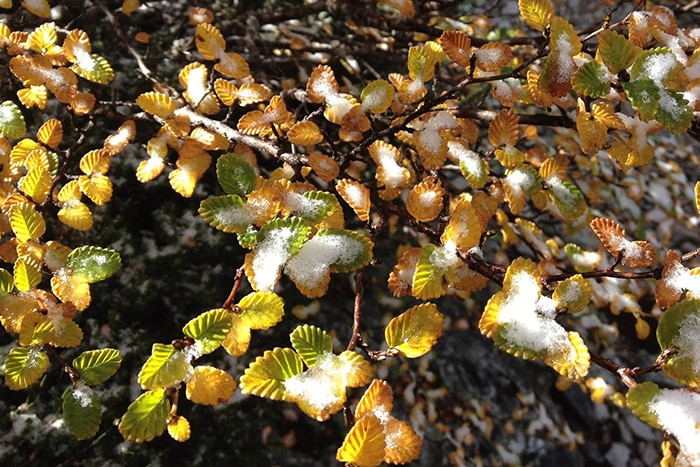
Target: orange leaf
[
  {"x": 456, "y": 45},
  {"x": 504, "y": 129}
]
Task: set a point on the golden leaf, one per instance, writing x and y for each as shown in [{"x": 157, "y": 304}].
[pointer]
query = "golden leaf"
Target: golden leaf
[
  {"x": 226, "y": 91},
  {"x": 325, "y": 166},
  {"x": 504, "y": 129},
  {"x": 209, "y": 41},
  {"x": 71, "y": 289},
  {"x": 199, "y": 15},
  {"x": 178, "y": 426},
  {"x": 493, "y": 56},
  {"x": 401, "y": 278},
  {"x": 33, "y": 96},
  {"x": 305, "y": 133},
  {"x": 364, "y": 444},
  {"x": 50, "y": 133},
  {"x": 232, "y": 65},
  {"x": 116, "y": 143},
  {"x": 321, "y": 84},
  {"x": 536, "y": 13},
  {"x": 405, "y": 7},
  {"x": 82, "y": 103},
  {"x": 210, "y": 386},
  {"x": 425, "y": 200},
  {"x": 456, "y": 44},
  {"x": 356, "y": 195}
]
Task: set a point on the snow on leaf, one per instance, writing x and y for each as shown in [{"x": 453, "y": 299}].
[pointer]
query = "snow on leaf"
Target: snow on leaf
[
  {"x": 24, "y": 366},
  {"x": 93, "y": 263},
  {"x": 330, "y": 250},
  {"x": 377, "y": 96},
  {"x": 310, "y": 342},
  {"x": 11, "y": 121},
  {"x": 226, "y": 213},
  {"x": 365, "y": 443},
  {"x": 265, "y": 377},
  {"x": 592, "y": 79},
  {"x": 493, "y": 56},
  {"x": 210, "y": 386},
  {"x": 356, "y": 195},
  {"x": 678, "y": 328},
  {"x": 572, "y": 294},
  {"x": 82, "y": 411},
  {"x": 209, "y": 41},
  {"x": 414, "y": 332},
  {"x": 425, "y": 200},
  {"x": 235, "y": 175},
  {"x": 166, "y": 367},
  {"x": 209, "y": 329},
  {"x": 634, "y": 253},
  {"x": 464, "y": 228}
]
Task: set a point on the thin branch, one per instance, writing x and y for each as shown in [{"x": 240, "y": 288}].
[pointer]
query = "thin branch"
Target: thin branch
[
  {"x": 228, "y": 304},
  {"x": 356, "y": 312}
]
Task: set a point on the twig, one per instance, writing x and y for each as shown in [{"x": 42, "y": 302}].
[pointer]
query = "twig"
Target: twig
[
  {"x": 228, "y": 304},
  {"x": 356, "y": 312}
]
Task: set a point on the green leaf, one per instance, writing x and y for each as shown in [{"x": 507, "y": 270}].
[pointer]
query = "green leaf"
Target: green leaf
[
  {"x": 265, "y": 377},
  {"x": 165, "y": 367},
  {"x": 82, "y": 411},
  {"x": 11, "y": 121},
  {"x": 26, "y": 222},
  {"x": 659, "y": 65},
  {"x": 94, "y": 68},
  {"x": 226, "y": 213},
  {"x": 414, "y": 332},
  {"x": 261, "y": 310},
  {"x": 568, "y": 199},
  {"x": 288, "y": 233},
  {"x": 679, "y": 328},
  {"x": 644, "y": 96},
  {"x": 616, "y": 51},
  {"x": 6, "y": 282},
  {"x": 583, "y": 261},
  {"x": 355, "y": 248},
  {"x": 592, "y": 80},
  {"x": 313, "y": 206},
  {"x": 24, "y": 366},
  {"x": 674, "y": 112},
  {"x": 248, "y": 238},
  {"x": 638, "y": 400},
  {"x": 310, "y": 342},
  {"x": 93, "y": 263},
  {"x": 473, "y": 168},
  {"x": 146, "y": 417},
  {"x": 573, "y": 294},
  {"x": 209, "y": 329},
  {"x": 97, "y": 366},
  {"x": 235, "y": 175}
]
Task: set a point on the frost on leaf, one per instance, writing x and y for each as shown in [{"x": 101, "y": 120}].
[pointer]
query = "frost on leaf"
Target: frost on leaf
[{"x": 520, "y": 322}]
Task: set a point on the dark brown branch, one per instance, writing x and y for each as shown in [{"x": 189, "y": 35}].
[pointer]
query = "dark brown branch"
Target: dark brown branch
[
  {"x": 228, "y": 304},
  {"x": 356, "y": 312},
  {"x": 487, "y": 116}
]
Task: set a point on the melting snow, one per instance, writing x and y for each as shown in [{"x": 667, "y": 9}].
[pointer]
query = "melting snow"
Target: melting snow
[
  {"x": 311, "y": 265},
  {"x": 270, "y": 256},
  {"x": 678, "y": 412}
]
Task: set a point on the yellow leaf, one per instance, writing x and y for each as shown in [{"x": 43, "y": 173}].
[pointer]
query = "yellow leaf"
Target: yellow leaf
[
  {"x": 71, "y": 289},
  {"x": 50, "y": 133},
  {"x": 98, "y": 188},
  {"x": 232, "y": 65},
  {"x": 95, "y": 162},
  {"x": 238, "y": 338},
  {"x": 33, "y": 96},
  {"x": 13, "y": 310},
  {"x": 82, "y": 103},
  {"x": 572, "y": 294},
  {"x": 194, "y": 78},
  {"x": 26, "y": 222},
  {"x": 420, "y": 65},
  {"x": 40, "y": 8},
  {"x": 226, "y": 91},
  {"x": 156, "y": 103},
  {"x": 356, "y": 195},
  {"x": 414, "y": 332},
  {"x": 464, "y": 228},
  {"x": 128, "y": 7},
  {"x": 377, "y": 96},
  {"x": 261, "y": 310},
  {"x": 305, "y": 133},
  {"x": 504, "y": 129},
  {"x": 116, "y": 143},
  {"x": 27, "y": 274},
  {"x": 36, "y": 184},
  {"x": 536, "y": 13},
  {"x": 425, "y": 200},
  {"x": 209, "y": 41},
  {"x": 210, "y": 386},
  {"x": 149, "y": 169},
  {"x": 178, "y": 426},
  {"x": 364, "y": 444}
]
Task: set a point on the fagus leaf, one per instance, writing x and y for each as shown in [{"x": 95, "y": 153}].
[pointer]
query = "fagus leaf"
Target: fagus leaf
[
  {"x": 678, "y": 328},
  {"x": 235, "y": 175},
  {"x": 24, "y": 366},
  {"x": 97, "y": 366},
  {"x": 310, "y": 342},
  {"x": 82, "y": 411},
  {"x": 146, "y": 417},
  {"x": 11, "y": 121},
  {"x": 166, "y": 367},
  {"x": 265, "y": 377},
  {"x": 261, "y": 310},
  {"x": 415, "y": 331},
  {"x": 93, "y": 264},
  {"x": 209, "y": 329},
  {"x": 210, "y": 386}
]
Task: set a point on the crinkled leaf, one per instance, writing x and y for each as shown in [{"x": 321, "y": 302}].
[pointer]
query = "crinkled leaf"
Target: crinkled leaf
[
  {"x": 377, "y": 96},
  {"x": 209, "y": 329},
  {"x": 82, "y": 411},
  {"x": 678, "y": 329},
  {"x": 166, "y": 367},
  {"x": 573, "y": 294},
  {"x": 414, "y": 332},
  {"x": 638, "y": 400},
  {"x": 27, "y": 274},
  {"x": 235, "y": 175},
  {"x": 314, "y": 206},
  {"x": 310, "y": 342},
  {"x": 536, "y": 13},
  {"x": 364, "y": 444},
  {"x": 616, "y": 50},
  {"x": 179, "y": 428},
  {"x": 644, "y": 96},
  {"x": 261, "y": 310},
  {"x": 94, "y": 68},
  {"x": 26, "y": 222},
  {"x": 93, "y": 263},
  {"x": 24, "y": 366},
  {"x": 210, "y": 386},
  {"x": 6, "y": 282},
  {"x": 674, "y": 112},
  {"x": 238, "y": 338},
  {"x": 97, "y": 366},
  {"x": 226, "y": 213},
  {"x": 568, "y": 199},
  {"x": 146, "y": 417},
  {"x": 592, "y": 79},
  {"x": 265, "y": 377},
  {"x": 11, "y": 121},
  {"x": 427, "y": 278}
]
